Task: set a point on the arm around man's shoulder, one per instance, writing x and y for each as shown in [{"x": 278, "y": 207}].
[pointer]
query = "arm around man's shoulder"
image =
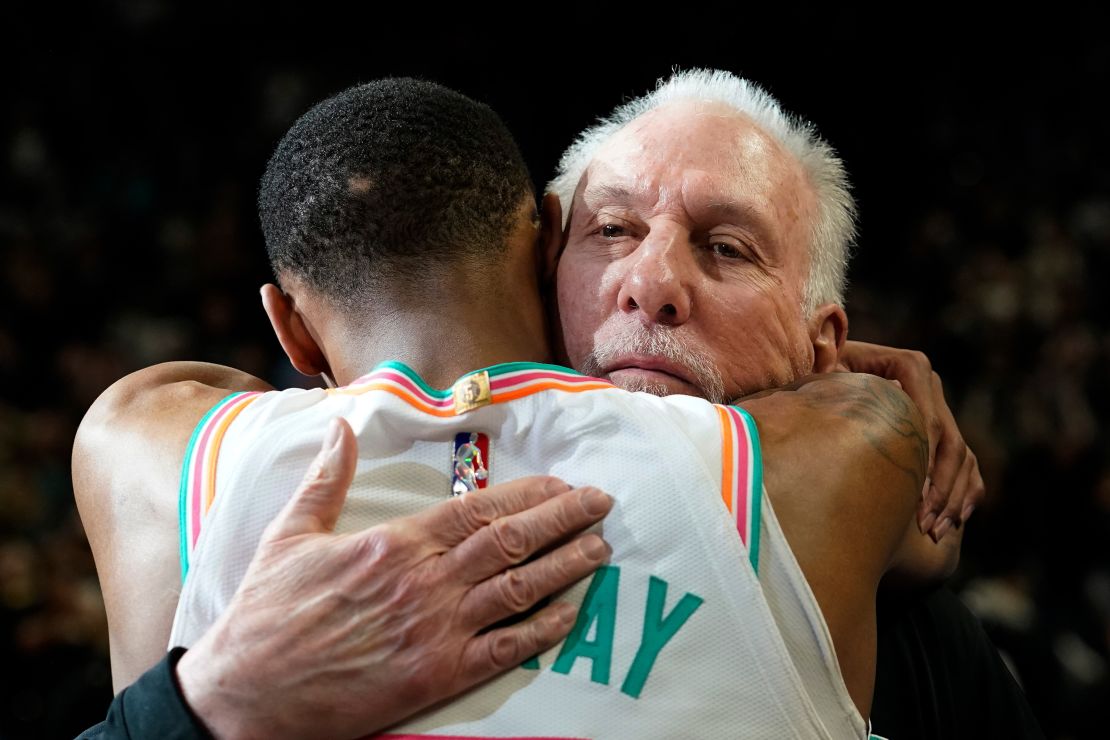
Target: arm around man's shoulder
[
  {"x": 856, "y": 439},
  {"x": 127, "y": 460},
  {"x": 844, "y": 462},
  {"x": 879, "y": 429}
]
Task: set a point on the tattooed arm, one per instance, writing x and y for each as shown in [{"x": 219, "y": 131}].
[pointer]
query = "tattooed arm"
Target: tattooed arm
[
  {"x": 879, "y": 409},
  {"x": 844, "y": 461}
]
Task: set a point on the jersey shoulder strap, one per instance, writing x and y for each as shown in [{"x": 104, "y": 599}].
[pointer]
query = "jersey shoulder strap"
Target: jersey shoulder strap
[
  {"x": 198, "y": 471},
  {"x": 742, "y": 475}
]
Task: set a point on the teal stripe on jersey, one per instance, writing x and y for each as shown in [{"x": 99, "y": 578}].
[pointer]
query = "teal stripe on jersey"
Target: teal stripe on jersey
[
  {"x": 494, "y": 370},
  {"x": 183, "y": 491},
  {"x": 516, "y": 367},
  {"x": 409, "y": 373}
]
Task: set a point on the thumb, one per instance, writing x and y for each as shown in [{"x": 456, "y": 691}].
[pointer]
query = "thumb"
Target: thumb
[{"x": 315, "y": 505}]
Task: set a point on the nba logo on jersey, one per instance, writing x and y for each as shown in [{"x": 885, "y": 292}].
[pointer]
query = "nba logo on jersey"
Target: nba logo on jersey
[{"x": 469, "y": 462}]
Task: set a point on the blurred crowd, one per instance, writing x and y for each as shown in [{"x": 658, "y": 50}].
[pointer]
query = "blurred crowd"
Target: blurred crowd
[
  {"x": 1018, "y": 326},
  {"x": 132, "y": 244}
]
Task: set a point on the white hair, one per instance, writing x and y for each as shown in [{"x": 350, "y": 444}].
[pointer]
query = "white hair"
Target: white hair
[{"x": 833, "y": 231}]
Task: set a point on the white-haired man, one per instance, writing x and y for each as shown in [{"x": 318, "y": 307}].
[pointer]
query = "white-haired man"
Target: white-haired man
[{"x": 710, "y": 163}]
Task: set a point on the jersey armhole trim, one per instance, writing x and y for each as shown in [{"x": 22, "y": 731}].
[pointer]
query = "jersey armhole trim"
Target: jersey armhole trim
[
  {"x": 198, "y": 470},
  {"x": 742, "y": 475}
]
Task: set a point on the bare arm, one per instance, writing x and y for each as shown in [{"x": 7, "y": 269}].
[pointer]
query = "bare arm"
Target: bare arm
[
  {"x": 127, "y": 460},
  {"x": 880, "y": 409},
  {"x": 845, "y": 458}
]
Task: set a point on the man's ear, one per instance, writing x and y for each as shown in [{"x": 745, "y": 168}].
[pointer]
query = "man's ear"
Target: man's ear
[
  {"x": 292, "y": 332},
  {"x": 828, "y": 330},
  {"x": 551, "y": 237}
]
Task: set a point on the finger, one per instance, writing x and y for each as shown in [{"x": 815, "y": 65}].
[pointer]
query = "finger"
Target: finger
[
  {"x": 498, "y": 650},
  {"x": 930, "y": 507},
  {"x": 914, "y": 374},
  {"x": 938, "y": 489},
  {"x": 951, "y": 448},
  {"x": 315, "y": 505},
  {"x": 976, "y": 492},
  {"x": 951, "y": 515},
  {"x": 513, "y": 539},
  {"x": 454, "y": 520},
  {"x": 519, "y": 589}
]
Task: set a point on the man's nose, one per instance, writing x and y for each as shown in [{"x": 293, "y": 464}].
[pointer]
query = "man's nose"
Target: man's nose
[{"x": 657, "y": 284}]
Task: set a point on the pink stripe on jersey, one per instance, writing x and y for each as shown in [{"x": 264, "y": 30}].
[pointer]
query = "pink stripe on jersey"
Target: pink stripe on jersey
[
  {"x": 205, "y": 454},
  {"x": 199, "y": 457},
  {"x": 743, "y": 472},
  {"x": 504, "y": 381},
  {"x": 404, "y": 381}
]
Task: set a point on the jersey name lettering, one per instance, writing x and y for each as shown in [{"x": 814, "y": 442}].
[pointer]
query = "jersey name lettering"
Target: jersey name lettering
[{"x": 598, "y": 616}]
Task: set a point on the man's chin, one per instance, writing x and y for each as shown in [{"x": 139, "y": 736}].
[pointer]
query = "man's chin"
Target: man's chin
[{"x": 652, "y": 381}]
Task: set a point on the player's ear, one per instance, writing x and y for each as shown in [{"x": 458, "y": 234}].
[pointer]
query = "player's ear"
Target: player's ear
[
  {"x": 551, "y": 237},
  {"x": 828, "y": 330},
  {"x": 292, "y": 332}
]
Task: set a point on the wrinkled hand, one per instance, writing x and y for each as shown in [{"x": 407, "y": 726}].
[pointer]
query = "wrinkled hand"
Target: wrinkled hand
[
  {"x": 954, "y": 486},
  {"x": 343, "y": 635}
]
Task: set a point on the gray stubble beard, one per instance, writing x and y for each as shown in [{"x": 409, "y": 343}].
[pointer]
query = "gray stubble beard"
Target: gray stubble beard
[{"x": 609, "y": 345}]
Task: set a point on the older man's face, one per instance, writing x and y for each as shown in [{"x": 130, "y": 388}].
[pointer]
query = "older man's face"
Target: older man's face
[{"x": 686, "y": 258}]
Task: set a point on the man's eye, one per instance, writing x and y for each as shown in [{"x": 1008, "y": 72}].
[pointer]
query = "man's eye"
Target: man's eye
[
  {"x": 610, "y": 231},
  {"x": 723, "y": 249}
]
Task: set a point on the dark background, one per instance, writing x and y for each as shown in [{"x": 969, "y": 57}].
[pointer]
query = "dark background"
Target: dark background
[{"x": 133, "y": 134}]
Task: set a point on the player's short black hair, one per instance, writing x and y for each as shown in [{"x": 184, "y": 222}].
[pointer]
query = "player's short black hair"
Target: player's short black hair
[{"x": 389, "y": 181}]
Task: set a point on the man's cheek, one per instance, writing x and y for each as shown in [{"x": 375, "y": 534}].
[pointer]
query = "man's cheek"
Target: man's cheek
[
  {"x": 581, "y": 301},
  {"x": 571, "y": 325}
]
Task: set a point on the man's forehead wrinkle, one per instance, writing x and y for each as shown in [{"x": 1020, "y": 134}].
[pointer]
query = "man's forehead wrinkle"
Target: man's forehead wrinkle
[
  {"x": 633, "y": 191},
  {"x": 607, "y": 192},
  {"x": 737, "y": 211},
  {"x": 685, "y": 196},
  {"x": 652, "y": 166}
]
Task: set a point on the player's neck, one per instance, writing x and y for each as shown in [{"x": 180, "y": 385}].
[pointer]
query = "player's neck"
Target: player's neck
[{"x": 443, "y": 342}]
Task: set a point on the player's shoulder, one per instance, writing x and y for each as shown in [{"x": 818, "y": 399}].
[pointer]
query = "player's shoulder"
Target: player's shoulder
[
  {"x": 128, "y": 451},
  {"x": 844, "y": 414},
  {"x": 874, "y": 422},
  {"x": 665, "y": 417},
  {"x": 153, "y": 411},
  {"x": 843, "y": 453},
  {"x": 675, "y": 407},
  {"x": 174, "y": 383}
]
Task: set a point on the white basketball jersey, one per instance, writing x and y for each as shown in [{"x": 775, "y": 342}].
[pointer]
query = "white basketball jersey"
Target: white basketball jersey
[{"x": 675, "y": 638}]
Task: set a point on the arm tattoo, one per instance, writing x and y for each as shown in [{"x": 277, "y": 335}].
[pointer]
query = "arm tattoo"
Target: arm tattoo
[{"x": 886, "y": 417}]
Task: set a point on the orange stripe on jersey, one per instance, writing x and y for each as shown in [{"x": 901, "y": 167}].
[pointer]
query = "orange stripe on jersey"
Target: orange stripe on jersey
[
  {"x": 726, "y": 457},
  {"x": 502, "y": 396},
  {"x": 535, "y": 383},
  {"x": 741, "y": 475},
  {"x": 214, "y": 449},
  {"x": 404, "y": 395}
]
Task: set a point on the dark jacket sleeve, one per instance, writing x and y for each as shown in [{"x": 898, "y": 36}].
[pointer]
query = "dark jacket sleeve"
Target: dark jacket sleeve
[
  {"x": 152, "y": 707},
  {"x": 939, "y": 676}
]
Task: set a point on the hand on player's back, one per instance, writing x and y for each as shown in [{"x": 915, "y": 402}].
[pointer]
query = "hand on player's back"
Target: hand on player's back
[{"x": 342, "y": 635}]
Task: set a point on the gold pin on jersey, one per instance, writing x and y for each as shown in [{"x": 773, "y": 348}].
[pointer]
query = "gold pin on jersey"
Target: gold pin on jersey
[{"x": 471, "y": 392}]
